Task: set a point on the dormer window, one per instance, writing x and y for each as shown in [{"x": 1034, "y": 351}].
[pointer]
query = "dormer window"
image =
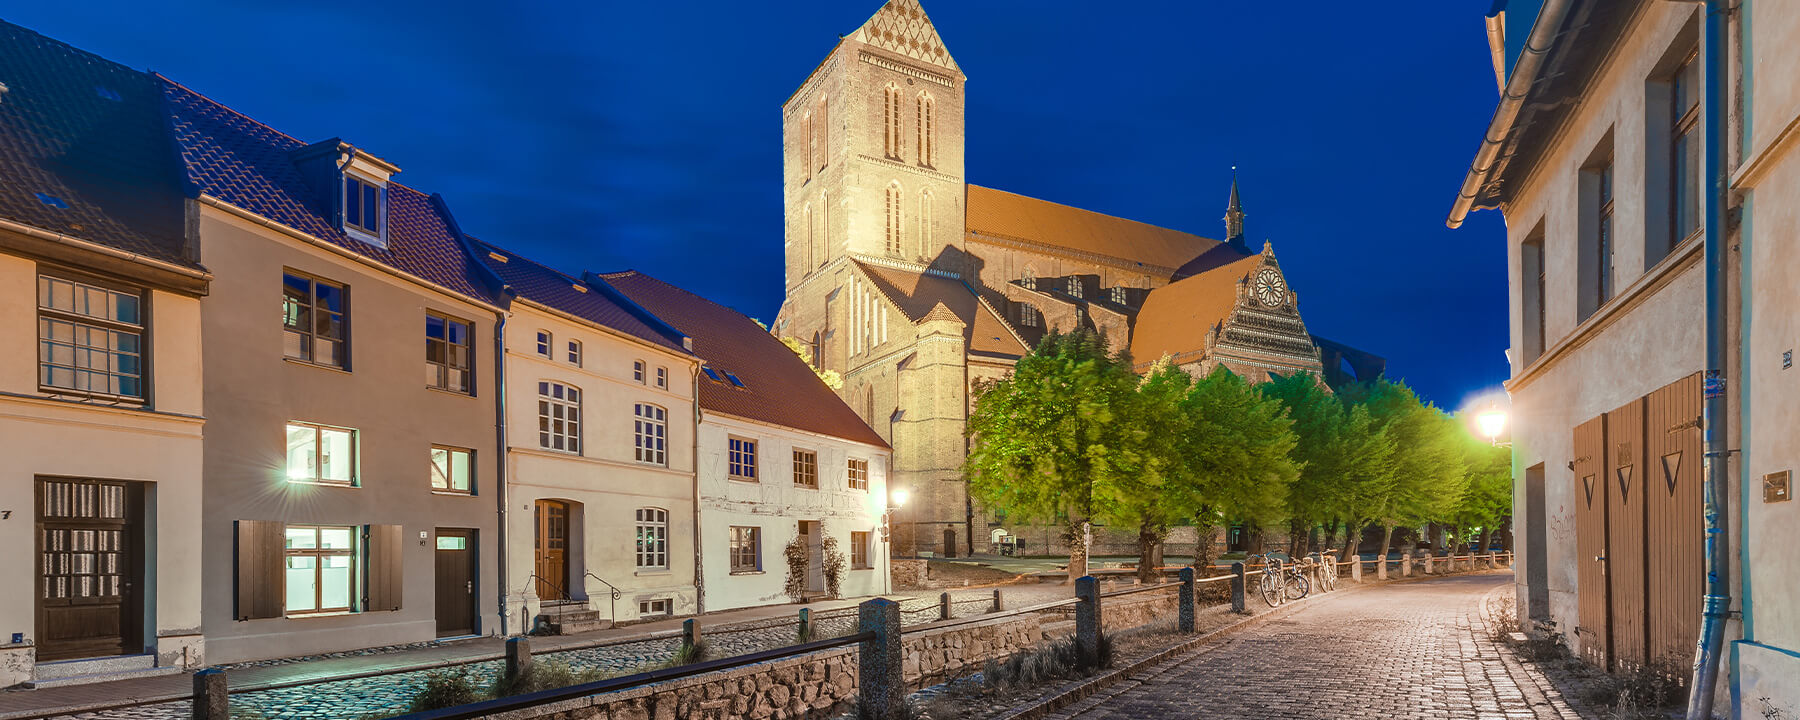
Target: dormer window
[{"x": 363, "y": 210}]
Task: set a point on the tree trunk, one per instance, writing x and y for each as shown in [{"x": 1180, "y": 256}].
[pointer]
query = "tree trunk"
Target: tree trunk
[
  {"x": 1203, "y": 549},
  {"x": 1075, "y": 537},
  {"x": 1331, "y": 530},
  {"x": 1294, "y": 538},
  {"x": 1387, "y": 539},
  {"x": 1353, "y": 532},
  {"x": 1149, "y": 537}
]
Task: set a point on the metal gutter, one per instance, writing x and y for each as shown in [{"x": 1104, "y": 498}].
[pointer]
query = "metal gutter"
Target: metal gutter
[
  {"x": 1512, "y": 99},
  {"x": 93, "y": 247}
]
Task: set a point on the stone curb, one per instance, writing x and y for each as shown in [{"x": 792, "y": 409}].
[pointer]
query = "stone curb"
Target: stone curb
[{"x": 1081, "y": 690}]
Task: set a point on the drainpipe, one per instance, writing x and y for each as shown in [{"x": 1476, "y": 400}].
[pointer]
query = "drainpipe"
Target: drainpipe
[
  {"x": 694, "y": 464},
  {"x": 1716, "y": 606},
  {"x": 504, "y": 459}
]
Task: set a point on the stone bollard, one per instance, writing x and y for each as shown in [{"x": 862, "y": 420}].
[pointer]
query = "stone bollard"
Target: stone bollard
[
  {"x": 1185, "y": 613},
  {"x": 944, "y": 606},
  {"x": 518, "y": 655},
  {"x": 1237, "y": 588},
  {"x": 997, "y": 606},
  {"x": 1381, "y": 564},
  {"x": 1356, "y": 569},
  {"x": 212, "y": 700},
  {"x": 690, "y": 635},
  {"x": 1429, "y": 558},
  {"x": 805, "y": 625},
  {"x": 880, "y": 681},
  {"x": 1087, "y": 621},
  {"x": 1493, "y": 561},
  {"x": 1406, "y": 564}
]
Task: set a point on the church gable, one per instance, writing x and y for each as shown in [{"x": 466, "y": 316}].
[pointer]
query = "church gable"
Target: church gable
[
  {"x": 900, "y": 26},
  {"x": 1243, "y": 310}
]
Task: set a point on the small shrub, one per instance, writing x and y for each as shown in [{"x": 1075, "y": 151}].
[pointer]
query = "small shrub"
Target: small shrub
[
  {"x": 446, "y": 688},
  {"x": 686, "y": 655},
  {"x": 1042, "y": 664},
  {"x": 1639, "y": 694},
  {"x": 833, "y": 565},
  {"x": 796, "y": 555},
  {"x": 543, "y": 675}
]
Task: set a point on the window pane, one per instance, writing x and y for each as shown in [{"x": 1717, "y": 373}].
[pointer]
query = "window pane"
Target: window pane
[
  {"x": 372, "y": 208},
  {"x": 459, "y": 470},
  {"x": 452, "y": 543},
  {"x": 302, "y": 444},
  {"x": 336, "y": 537},
  {"x": 434, "y": 327},
  {"x": 352, "y": 206},
  {"x": 440, "y": 468},
  {"x": 335, "y": 457},
  {"x": 335, "y": 581},
  {"x": 302, "y": 584},
  {"x": 302, "y": 538},
  {"x": 330, "y": 297}
]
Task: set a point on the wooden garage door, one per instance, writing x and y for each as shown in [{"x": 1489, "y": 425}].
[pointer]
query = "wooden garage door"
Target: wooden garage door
[
  {"x": 1625, "y": 534},
  {"x": 1674, "y": 521},
  {"x": 1590, "y": 540}
]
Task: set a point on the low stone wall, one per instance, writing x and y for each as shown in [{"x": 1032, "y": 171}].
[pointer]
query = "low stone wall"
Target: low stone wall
[
  {"x": 1122, "y": 613},
  {"x": 938, "y": 653},
  {"x": 804, "y": 687},
  {"x": 907, "y": 573}
]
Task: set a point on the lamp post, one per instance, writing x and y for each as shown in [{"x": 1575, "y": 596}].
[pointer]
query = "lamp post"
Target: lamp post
[
  {"x": 1492, "y": 422},
  {"x": 896, "y": 498}
]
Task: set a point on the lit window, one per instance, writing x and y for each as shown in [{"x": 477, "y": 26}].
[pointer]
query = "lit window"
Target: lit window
[
  {"x": 1117, "y": 295},
  {"x": 637, "y": 371},
  {"x": 575, "y": 353},
  {"x": 1075, "y": 287},
  {"x": 559, "y": 417},
  {"x": 320, "y": 574},
  {"x": 446, "y": 353},
  {"x": 320, "y": 454},
  {"x": 742, "y": 459},
  {"x": 651, "y": 432},
  {"x": 806, "y": 468},
  {"x": 858, "y": 474},
  {"x": 859, "y": 549},
  {"x": 662, "y": 378},
  {"x": 652, "y": 539},
  {"x": 746, "y": 549},
  {"x": 312, "y": 314},
  {"x": 452, "y": 469},
  {"x": 1029, "y": 316},
  {"x": 927, "y": 108},
  {"x": 362, "y": 206},
  {"x": 893, "y": 219},
  {"x": 90, "y": 339}
]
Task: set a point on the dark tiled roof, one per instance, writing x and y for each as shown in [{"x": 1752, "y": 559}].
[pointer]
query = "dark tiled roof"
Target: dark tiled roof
[
  {"x": 918, "y": 294},
  {"x": 545, "y": 286},
  {"x": 88, "y": 134},
  {"x": 1009, "y": 215},
  {"x": 779, "y": 388},
  {"x": 250, "y": 165}
]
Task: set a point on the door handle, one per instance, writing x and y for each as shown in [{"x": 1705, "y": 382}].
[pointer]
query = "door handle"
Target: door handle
[
  {"x": 471, "y": 586},
  {"x": 1599, "y": 558}
]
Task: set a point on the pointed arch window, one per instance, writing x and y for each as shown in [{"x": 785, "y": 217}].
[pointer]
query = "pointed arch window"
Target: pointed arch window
[
  {"x": 822, "y": 130},
  {"x": 892, "y": 120},
  {"x": 809, "y": 137},
  {"x": 894, "y": 228},
  {"x": 927, "y": 108},
  {"x": 1028, "y": 279},
  {"x": 824, "y": 249},
  {"x": 811, "y": 251},
  {"x": 925, "y": 246}
]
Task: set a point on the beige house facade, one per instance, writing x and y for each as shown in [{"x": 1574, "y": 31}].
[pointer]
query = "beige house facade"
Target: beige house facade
[{"x": 1604, "y": 194}]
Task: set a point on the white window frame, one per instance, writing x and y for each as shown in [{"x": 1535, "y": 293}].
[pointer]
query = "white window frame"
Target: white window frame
[
  {"x": 546, "y": 342},
  {"x": 569, "y": 402},
  {"x": 447, "y": 470},
  {"x": 318, "y": 462},
  {"x": 650, "y": 434},
  {"x": 662, "y": 378},
  {"x": 87, "y": 323},
  {"x": 378, "y": 236},
  {"x": 652, "y": 539},
  {"x": 638, "y": 371},
  {"x": 575, "y": 353}
]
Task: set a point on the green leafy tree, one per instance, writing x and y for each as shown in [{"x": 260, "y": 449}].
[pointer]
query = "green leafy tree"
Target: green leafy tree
[
  {"x": 1048, "y": 444},
  {"x": 1240, "y": 451},
  {"x": 1343, "y": 456},
  {"x": 1488, "y": 500},
  {"x": 1424, "y": 478},
  {"x": 1159, "y": 491}
]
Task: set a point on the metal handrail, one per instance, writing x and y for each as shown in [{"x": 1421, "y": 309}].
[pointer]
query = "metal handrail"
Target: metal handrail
[
  {"x": 612, "y": 607},
  {"x": 544, "y": 697},
  {"x": 561, "y": 607}
]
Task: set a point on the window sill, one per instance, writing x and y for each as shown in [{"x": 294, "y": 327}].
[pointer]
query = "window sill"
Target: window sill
[
  {"x": 323, "y": 483},
  {"x": 311, "y": 364},
  {"x": 447, "y": 391},
  {"x": 748, "y": 572},
  {"x": 327, "y": 613},
  {"x": 804, "y": 486},
  {"x": 863, "y": 567},
  {"x": 92, "y": 398},
  {"x": 752, "y": 481},
  {"x": 453, "y": 493},
  {"x": 653, "y": 573}
]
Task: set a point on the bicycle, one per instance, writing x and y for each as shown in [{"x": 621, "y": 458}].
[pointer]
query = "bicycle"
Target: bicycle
[{"x": 1279, "y": 587}]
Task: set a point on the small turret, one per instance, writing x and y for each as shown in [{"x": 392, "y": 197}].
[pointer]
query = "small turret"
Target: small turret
[{"x": 1234, "y": 218}]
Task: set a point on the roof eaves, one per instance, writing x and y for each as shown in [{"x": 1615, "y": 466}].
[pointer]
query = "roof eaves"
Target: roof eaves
[{"x": 600, "y": 285}]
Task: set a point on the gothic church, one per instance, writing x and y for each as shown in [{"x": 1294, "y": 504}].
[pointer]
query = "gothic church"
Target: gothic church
[{"x": 914, "y": 284}]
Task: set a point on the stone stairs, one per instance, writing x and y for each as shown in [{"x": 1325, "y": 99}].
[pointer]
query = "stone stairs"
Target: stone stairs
[
  {"x": 570, "y": 618},
  {"x": 93, "y": 670}
]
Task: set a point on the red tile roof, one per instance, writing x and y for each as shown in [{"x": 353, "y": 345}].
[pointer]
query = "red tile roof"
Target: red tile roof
[
  {"x": 779, "y": 387},
  {"x": 545, "y": 286},
  {"x": 1175, "y": 317},
  {"x": 1017, "y": 217}
]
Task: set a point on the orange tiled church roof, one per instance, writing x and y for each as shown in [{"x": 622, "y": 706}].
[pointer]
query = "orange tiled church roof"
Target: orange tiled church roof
[
  {"x": 1175, "y": 317},
  {"x": 1008, "y": 215}
]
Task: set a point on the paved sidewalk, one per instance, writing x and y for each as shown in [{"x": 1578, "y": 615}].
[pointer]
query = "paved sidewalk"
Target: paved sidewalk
[
  {"x": 1407, "y": 650},
  {"x": 364, "y": 683}
]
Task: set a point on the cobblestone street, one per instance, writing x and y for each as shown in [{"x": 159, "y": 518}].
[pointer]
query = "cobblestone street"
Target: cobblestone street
[{"x": 1407, "y": 650}]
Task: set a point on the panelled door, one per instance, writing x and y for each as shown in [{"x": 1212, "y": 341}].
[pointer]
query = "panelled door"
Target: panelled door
[
  {"x": 552, "y": 549},
  {"x": 89, "y": 568},
  {"x": 1674, "y": 521},
  {"x": 1590, "y": 541},
  {"x": 1625, "y": 547},
  {"x": 455, "y": 582}
]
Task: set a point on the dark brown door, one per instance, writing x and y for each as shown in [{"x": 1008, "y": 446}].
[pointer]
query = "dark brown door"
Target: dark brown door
[
  {"x": 1590, "y": 541},
  {"x": 1676, "y": 565},
  {"x": 1625, "y": 533},
  {"x": 89, "y": 569},
  {"x": 949, "y": 543},
  {"x": 455, "y": 582},
  {"x": 552, "y": 549}
]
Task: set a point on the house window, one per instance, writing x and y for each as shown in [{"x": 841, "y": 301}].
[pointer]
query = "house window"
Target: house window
[
  {"x": 320, "y": 454},
  {"x": 1075, "y": 287},
  {"x": 90, "y": 339},
  {"x": 575, "y": 353},
  {"x": 362, "y": 206},
  {"x": 858, "y": 474},
  {"x": 742, "y": 459},
  {"x": 1603, "y": 238},
  {"x": 1116, "y": 294},
  {"x": 1028, "y": 279},
  {"x": 320, "y": 574},
  {"x": 313, "y": 315},
  {"x": 927, "y": 149},
  {"x": 1685, "y": 161},
  {"x": 1531, "y": 274},
  {"x": 653, "y": 607},
  {"x": 893, "y": 219},
  {"x": 662, "y": 378},
  {"x": 859, "y": 550},
  {"x": 1029, "y": 316},
  {"x": 446, "y": 353},
  {"x": 543, "y": 343},
  {"x": 652, "y": 427},
  {"x": 637, "y": 371},
  {"x": 746, "y": 549},
  {"x": 652, "y": 539},
  {"x": 806, "y": 468},
  {"x": 452, "y": 469},
  {"x": 559, "y": 417},
  {"x": 892, "y": 116}
]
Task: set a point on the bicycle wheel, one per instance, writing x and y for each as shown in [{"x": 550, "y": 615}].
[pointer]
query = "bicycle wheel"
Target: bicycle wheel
[
  {"x": 1270, "y": 590},
  {"x": 1296, "y": 586}
]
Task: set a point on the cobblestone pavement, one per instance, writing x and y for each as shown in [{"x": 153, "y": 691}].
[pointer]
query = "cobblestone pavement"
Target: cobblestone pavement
[{"x": 1407, "y": 650}]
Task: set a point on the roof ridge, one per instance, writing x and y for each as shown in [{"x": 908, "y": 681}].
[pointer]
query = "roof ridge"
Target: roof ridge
[
  {"x": 1094, "y": 212},
  {"x": 227, "y": 108},
  {"x": 86, "y": 53}
]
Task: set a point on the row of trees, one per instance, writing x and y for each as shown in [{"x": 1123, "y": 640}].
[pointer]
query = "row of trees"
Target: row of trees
[{"x": 1073, "y": 436}]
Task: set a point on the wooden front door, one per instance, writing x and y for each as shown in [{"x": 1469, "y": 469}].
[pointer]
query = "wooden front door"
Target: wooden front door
[
  {"x": 949, "y": 543},
  {"x": 1625, "y": 547},
  {"x": 89, "y": 569},
  {"x": 1674, "y": 518},
  {"x": 1590, "y": 541},
  {"x": 455, "y": 582},
  {"x": 552, "y": 550}
]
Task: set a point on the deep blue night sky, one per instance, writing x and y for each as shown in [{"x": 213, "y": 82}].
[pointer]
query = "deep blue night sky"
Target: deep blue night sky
[{"x": 647, "y": 135}]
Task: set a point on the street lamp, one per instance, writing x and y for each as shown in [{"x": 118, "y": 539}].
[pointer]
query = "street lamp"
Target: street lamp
[
  {"x": 1492, "y": 422},
  {"x": 896, "y": 498}
]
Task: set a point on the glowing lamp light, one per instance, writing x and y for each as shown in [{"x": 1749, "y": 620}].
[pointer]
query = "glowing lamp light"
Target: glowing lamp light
[
  {"x": 1491, "y": 421},
  {"x": 898, "y": 497}
]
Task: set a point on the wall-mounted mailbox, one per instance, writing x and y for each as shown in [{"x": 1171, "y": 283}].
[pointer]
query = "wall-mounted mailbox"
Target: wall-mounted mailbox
[{"x": 1776, "y": 488}]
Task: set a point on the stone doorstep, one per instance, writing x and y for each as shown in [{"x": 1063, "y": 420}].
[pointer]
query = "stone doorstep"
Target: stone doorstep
[
  {"x": 100, "y": 677},
  {"x": 94, "y": 670},
  {"x": 1081, "y": 689}
]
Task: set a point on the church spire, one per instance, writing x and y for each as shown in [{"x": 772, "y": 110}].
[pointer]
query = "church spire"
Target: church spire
[{"x": 1234, "y": 216}]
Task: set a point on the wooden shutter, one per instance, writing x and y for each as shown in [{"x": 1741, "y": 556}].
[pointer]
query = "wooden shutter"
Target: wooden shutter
[
  {"x": 383, "y": 581},
  {"x": 259, "y": 552},
  {"x": 1589, "y": 468},
  {"x": 1625, "y": 549},
  {"x": 1676, "y": 562}
]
